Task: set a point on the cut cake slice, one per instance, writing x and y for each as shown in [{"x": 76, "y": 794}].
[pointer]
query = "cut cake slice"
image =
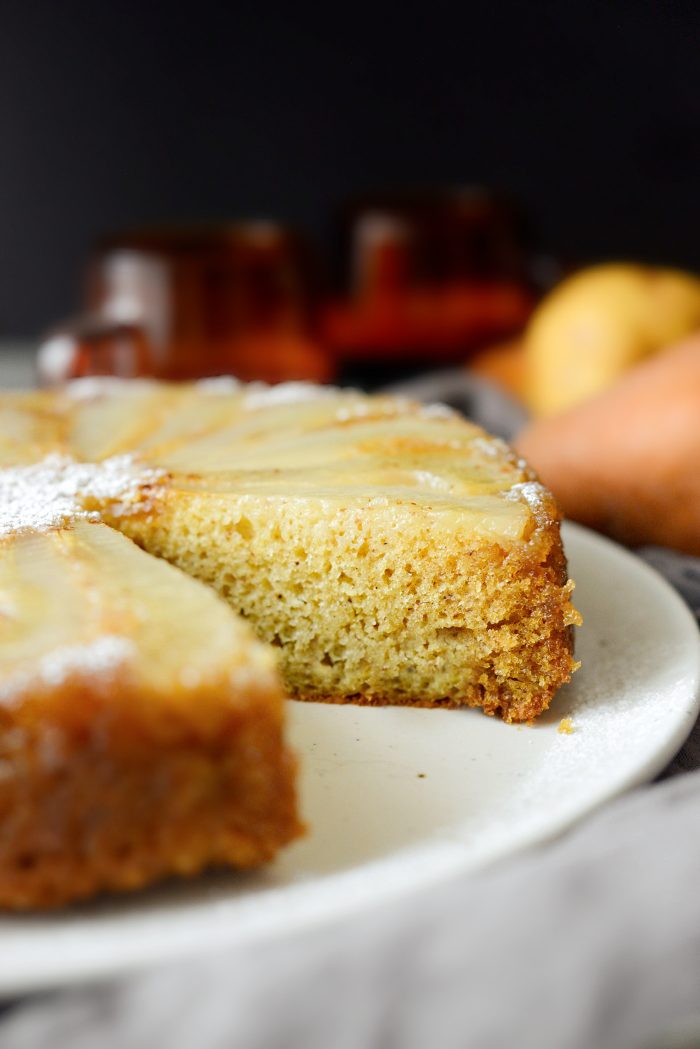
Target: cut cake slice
[{"x": 140, "y": 723}]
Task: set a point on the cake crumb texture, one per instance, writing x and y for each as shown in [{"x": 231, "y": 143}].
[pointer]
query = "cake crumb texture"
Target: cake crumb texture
[
  {"x": 389, "y": 552},
  {"x": 372, "y": 605}
]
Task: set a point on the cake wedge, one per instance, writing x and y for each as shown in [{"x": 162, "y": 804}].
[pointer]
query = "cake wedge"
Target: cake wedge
[{"x": 141, "y": 724}]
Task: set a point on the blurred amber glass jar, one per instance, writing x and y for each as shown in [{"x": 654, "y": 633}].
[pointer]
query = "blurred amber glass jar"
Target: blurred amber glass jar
[
  {"x": 427, "y": 277},
  {"x": 189, "y": 302}
]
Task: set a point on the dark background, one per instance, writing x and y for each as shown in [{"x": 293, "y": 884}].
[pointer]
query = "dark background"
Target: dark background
[{"x": 117, "y": 113}]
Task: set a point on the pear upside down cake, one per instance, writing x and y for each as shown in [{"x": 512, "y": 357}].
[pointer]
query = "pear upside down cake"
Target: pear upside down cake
[{"x": 384, "y": 551}]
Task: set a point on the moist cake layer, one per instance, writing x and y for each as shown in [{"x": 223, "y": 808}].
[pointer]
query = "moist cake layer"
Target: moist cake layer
[{"x": 389, "y": 551}]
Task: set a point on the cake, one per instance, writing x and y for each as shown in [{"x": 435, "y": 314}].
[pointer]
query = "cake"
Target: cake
[
  {"x": 140, "y": 723},
  {"x": 386, "y": 552}
]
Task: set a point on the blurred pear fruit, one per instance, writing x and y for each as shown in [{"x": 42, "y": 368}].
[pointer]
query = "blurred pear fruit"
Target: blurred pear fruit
[{"x": 596, "y": 324}]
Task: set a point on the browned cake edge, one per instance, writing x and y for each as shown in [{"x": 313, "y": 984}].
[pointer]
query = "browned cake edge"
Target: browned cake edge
[
  {"x": 548, "y": 664},
  {"x": 107, "y": 788}
]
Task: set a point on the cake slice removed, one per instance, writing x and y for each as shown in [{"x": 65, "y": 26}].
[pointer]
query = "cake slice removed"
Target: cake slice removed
[{"x": 140, "y": 723}]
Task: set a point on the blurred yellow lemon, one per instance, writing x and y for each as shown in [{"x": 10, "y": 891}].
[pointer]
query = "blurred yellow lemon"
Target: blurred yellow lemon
[{"x": 599, "y": 322}]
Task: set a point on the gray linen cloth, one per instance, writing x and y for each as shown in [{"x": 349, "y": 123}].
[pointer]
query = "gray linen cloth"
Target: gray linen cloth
[{"x": 589, "y": 942}]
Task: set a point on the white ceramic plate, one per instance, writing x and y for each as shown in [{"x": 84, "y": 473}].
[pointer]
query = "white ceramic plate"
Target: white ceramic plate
[{"x": 398, "y": 798}]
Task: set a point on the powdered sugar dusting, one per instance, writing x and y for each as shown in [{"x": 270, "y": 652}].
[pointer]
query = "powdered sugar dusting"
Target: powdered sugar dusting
[
  {"x": 428, "y": 479},
  {"x": 58, "y": 490},
  {"x": 533, "y": 493},
  {"x": 492, "y": 446},
  {"x": 95, "y": 657},
  {"x": 98, "y": 659},
  {"x": 353, "y": 404},
  {"x": 219, "y": 385},
  {"x": 437, "y": 411},
  {"x": 102, "y": 385},
  {"x": 261, "y": 395},
  {"x": 353, "y": 410}
]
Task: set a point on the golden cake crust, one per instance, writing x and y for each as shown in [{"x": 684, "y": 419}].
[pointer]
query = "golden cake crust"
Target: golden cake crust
[{"x": 130, "y": 800}]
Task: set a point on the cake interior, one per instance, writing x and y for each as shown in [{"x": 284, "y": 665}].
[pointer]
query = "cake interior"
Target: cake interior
[{"x": 388, "y": 551}]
